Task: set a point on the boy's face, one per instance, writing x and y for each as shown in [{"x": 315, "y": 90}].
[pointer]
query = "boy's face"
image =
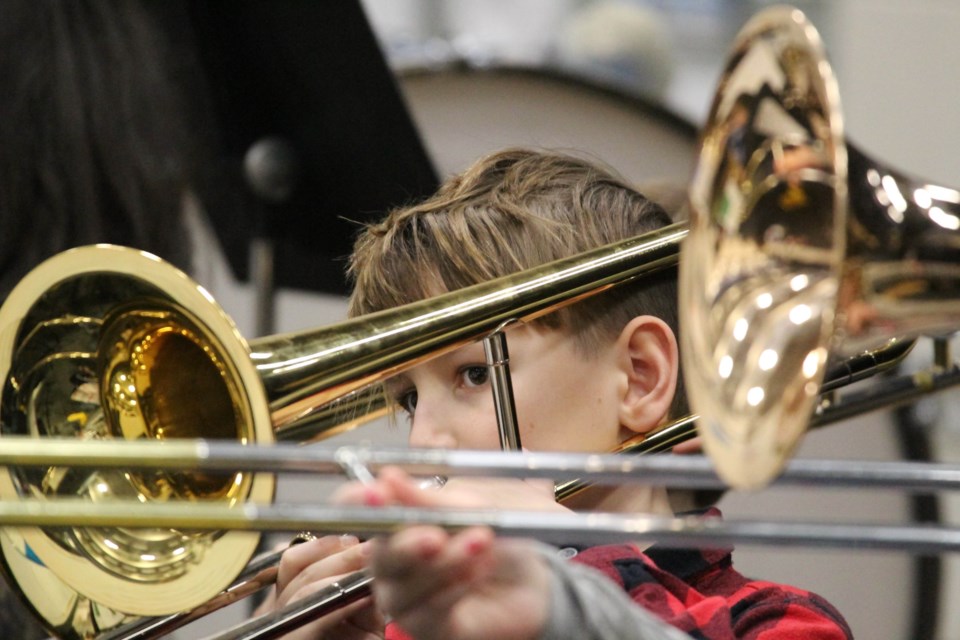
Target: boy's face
[{"x": 565, "y": 401}]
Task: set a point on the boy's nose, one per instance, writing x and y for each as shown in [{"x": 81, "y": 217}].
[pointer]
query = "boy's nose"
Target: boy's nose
[{"x": 428, "y": 433}]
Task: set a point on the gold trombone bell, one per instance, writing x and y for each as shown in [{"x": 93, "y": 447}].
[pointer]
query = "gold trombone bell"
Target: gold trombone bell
[
  {"x": 801, "y": 248},
  {"x": 87, "y": 338}
]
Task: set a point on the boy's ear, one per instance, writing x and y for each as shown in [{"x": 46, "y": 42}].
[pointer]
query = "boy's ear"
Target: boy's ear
[{"x": 650, "y": 359}]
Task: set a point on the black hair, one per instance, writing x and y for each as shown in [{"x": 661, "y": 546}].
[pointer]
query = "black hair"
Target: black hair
[{"x": 99, "y": 129}]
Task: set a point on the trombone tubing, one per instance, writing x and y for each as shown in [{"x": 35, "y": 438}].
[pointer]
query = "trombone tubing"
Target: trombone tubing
[
  {"x": 560, "y": 528},
  {"x": 303, "y": 371},
  {"x": 260, "y": 573},
  {"x": 676, "y": 471}
]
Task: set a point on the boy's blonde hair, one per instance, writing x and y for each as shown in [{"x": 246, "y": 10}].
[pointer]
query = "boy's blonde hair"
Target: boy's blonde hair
[{"x": 511, "y": 211}]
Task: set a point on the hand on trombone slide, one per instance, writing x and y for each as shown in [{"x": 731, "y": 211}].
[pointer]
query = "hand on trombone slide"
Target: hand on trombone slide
[
  {"x": 313, "y": 564},
  {"x": 434, "y": 584}
]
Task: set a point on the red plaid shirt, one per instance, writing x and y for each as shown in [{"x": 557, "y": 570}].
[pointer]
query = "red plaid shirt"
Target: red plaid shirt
[{"x": 698, "y": 591}]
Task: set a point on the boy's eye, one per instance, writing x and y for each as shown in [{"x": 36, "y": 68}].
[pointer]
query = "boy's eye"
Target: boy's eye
[
  {"x": 475, "y": 376},
  {"x": 408, "y": 401}
]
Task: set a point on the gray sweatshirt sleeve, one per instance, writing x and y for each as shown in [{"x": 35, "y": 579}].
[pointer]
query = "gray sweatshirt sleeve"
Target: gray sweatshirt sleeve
[{"x": 586, "y": 605}]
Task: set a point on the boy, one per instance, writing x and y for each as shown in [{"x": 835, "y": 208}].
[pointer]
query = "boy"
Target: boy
[{"x": 585, "y": 378}]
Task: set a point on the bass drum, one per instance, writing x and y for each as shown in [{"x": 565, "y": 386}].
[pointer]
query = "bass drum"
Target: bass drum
[{"x": 463, "y": 113}]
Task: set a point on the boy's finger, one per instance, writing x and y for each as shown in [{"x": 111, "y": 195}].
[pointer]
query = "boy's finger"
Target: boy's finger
[
  {"x": 348, "y": 493},
  {"x": 404, "y": 551},
  {"x": 299, "y": 556},
  {"x": 694, "y": 445},
  {"x": 403, "y": 489},
  {"x": 380, "y": 492},
  {"x": 330, "y": 555},
  {"x": 426, "y": 566}
]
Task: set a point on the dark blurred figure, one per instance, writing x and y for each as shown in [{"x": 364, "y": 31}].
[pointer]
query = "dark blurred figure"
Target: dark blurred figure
[
  {"x": 98, "y": 140},
  {"x": 102, "y": 124}
]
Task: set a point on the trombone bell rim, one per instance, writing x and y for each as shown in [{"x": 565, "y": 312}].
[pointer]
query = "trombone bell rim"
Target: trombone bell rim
[
  {"x": 759, "y": 270},
  {"x": 215, "y": 560}
]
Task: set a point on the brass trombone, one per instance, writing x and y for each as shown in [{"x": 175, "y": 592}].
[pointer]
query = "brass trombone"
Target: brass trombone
[
  {"x": 93, "y": 344},
  {"x": 800, "y": 247},
  {"x": 193, "y": 476}
]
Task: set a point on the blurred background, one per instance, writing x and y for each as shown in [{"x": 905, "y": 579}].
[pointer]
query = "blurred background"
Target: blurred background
[
  {"x": 333, "y": 112},
  {"x": 630, "y": 82}
]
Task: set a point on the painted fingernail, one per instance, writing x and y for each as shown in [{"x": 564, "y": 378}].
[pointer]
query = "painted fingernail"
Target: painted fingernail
[
  {"x": 372, "y": 497},
  {"x": 476, "y": 547}
]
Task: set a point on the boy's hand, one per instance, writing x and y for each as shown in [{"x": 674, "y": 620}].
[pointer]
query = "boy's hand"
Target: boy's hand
[
  {"x": 310, "y": 566},
  {"x": 394, "y": 486},
  {"x": 465, "y": 586},
  {"x": 693, "y": 445},
  {"x": 469, "y": 585}
]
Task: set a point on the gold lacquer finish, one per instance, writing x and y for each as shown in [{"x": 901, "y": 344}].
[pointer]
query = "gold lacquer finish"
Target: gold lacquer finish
[
  {"x": 759, "y": 270},
  {"x": 163, "y": 380},
  {"x": 800, "y": 247},
  {"x": 109, "y": 343},
  {"x": 98, "y": 344},
  {"x": 106, "y": 342}
]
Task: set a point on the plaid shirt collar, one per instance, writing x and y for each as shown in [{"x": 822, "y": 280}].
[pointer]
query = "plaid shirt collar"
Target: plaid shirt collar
[{"x": 688, "y": 563}]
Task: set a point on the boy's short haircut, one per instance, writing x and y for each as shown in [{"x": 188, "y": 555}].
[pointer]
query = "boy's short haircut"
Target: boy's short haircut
[{"x": 510, "y": 211}]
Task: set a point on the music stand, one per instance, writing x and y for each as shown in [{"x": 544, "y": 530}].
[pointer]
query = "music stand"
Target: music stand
[{"x": 311, "y": 75}]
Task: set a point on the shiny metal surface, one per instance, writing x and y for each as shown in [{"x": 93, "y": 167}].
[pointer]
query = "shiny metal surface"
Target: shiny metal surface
[
  {"x": 346, "y": 590},
  {"x": 612, "y": 468},
  {"x": 556, "y": 527},
  {"x": 759, "y": 271},
  {"x": 302, "y": 372},
  {"x": 801, "y": 249},
  {"x": 211, "y": 457},
  {"x": 105, "y": 342},
  {"x": 777, "y": 260},
  {"x": 88, "y": 339},
  {"x": 901, "y": 273},
  {"x": 501, "y": 385}
]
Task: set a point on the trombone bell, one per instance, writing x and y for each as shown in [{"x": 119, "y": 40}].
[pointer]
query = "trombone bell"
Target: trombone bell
[
  {"x": 800, "y": 248},
  {"x": 108, "y": 342},
  {"x": 87, "y": 339},
  {"x": 759, "y": 269}
]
